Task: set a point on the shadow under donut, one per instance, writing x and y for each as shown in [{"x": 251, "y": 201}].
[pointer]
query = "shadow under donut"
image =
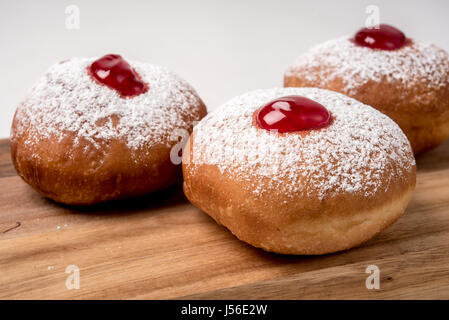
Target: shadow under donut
[{"x": 434, "y": 160}]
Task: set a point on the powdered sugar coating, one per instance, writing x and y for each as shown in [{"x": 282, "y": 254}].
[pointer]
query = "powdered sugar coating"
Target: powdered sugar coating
[
  {"x": 349, "y": 156},
  {"x": 67, "y": 99},
  {"x": 417, "y": 62}
]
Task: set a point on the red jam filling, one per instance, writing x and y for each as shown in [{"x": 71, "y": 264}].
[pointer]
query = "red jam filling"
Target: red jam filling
[
  {"x": 114, "y": 72},
  {"x": 384, "y": 38},
  {"x": 292, "y": 113}
]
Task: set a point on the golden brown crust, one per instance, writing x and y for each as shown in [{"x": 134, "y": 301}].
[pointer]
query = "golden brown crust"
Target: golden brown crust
[
  {"x": 82, "y": 174},
  {"x": 423, "y": 115},
  {"x": 302, "y": 225}
]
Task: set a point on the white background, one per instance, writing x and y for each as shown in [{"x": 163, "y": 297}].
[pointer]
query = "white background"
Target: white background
[{"x": 223, "y": 48}]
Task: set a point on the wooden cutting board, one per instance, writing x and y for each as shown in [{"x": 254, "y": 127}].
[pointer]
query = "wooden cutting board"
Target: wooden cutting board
[{"x": 160, "y": 247}]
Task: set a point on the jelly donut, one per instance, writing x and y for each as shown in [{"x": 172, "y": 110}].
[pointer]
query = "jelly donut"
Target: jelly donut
[
  {"x": 403, "y": 78},
  {"x": 299, "y": 170},
  {"x": 93, "y": 130}
]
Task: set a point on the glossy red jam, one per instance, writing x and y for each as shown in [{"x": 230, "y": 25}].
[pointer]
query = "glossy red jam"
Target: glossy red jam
[
  {"x": 114, "y": 72},
  {"x": 384, "y": 38},
  {"x": 292, "y": 113}
]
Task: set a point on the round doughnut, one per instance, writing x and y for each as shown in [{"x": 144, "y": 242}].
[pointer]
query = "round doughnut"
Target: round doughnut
[
  {"x": 410, "y": 83},
  {"x": 309, "y": 192},
  {"x": 79, "y": 141}
]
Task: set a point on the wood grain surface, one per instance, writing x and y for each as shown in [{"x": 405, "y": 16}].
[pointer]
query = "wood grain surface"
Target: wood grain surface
[{"x": 161, "y": 247}]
